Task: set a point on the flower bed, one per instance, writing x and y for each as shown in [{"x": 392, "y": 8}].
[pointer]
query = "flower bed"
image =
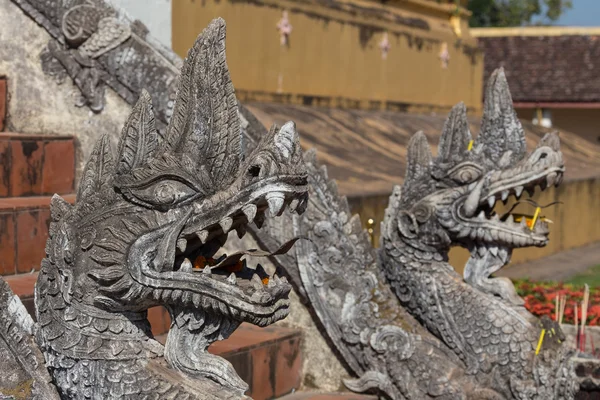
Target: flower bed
[{"x": 540, "y": 300}]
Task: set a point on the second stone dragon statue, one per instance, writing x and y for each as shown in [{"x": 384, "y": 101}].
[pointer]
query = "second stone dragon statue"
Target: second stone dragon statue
[{"x": 407, "y": 325}]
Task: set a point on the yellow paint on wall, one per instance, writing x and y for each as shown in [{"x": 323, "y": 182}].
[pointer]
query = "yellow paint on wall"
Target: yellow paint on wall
[{"x": 334, "y": 53}]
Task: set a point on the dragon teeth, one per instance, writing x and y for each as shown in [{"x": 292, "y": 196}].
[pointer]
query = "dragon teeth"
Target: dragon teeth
[
  {"x": 518, "y": 191},
  {"x": 303, "y": 204},
  {"x": 196, "y": 299},
  {"x": 181, "y": 244},
  {"x": 226, "y": 224},
  {"x": 504, "y": 195},
  {"x": 256, "y": 282},
  {"x": 481, "y": 215},
  {"x": 294, "y": 204},
  {"x": 206, "y": 270},
  {"x": 523, "y": 223},
  {"x": 551, "y": 178},
  {"x": 271, "y": 283},
  {"x": 276, "y": 202},
  {"x": 202, "y": 235},
  {"x": 186, "y": 266},
  {"x": 558, "y": 180},
  {"x": 232, "y": 279},
  {"x": 276, "y": 279},
  {"x": 491, "y": 201},
  {"x": 249, "y": 211},
  {"x": 241, "y": 230}
]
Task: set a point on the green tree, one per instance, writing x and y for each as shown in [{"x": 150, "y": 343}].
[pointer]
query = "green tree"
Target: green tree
[{"x": 516, "y": 12}]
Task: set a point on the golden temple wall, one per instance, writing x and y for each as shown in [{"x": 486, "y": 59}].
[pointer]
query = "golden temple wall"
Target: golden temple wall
[{"x": 334, "y": 57}]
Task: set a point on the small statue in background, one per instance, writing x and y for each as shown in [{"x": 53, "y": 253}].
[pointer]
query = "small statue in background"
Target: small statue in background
[
  {"x": 385, "y": 46},
  {"x": 285, "y": 29}
]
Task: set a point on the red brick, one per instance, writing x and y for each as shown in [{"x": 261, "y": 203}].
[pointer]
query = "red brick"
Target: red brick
[
  {"x": 288, "y": 365},
  {"x": 3, "y": 98},
  {"x": 32, "y": 232},
  {"x": 5, "y": 167},
  {"x": 58, "y": 173},
  {"x": 22, "y": 285},
  {"x": 263, "y": 375},
  {"x": 248, "y": 336},
  {"x": 7, "y": 243},
  {"x": 26, "y": 169},
  {"x": 157, "y": 322}
]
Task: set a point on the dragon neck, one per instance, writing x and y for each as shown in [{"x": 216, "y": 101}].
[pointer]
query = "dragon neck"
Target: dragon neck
[
  {"x": 82, "y": 331},
  {"x": 411, "y": 254}
]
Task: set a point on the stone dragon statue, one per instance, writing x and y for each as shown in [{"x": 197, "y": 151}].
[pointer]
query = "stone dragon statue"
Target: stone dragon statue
[
  {"x": 406, "y": 324},
  {"x": 137, "y": 237}
]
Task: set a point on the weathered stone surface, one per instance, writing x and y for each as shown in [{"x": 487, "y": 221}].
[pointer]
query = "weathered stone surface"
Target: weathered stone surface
[
  {"x": 473, "y": 338},
  {"x": 38, "y": 105},
  {"x": 321, "y": 367},
  {"x": 23, "y": 372}
]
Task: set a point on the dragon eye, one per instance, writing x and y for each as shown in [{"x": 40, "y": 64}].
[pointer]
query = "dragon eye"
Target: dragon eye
[
  {"x": 465, "y": 173},
  {"x": 166, "y": 192}
]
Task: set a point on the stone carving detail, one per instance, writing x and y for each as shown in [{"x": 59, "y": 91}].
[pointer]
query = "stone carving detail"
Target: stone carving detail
[
  {"x": 21, "y": 362},
  {"x": 447, "y": 337},
  {"x": 436, "y": 335},
  {"x": 450, "y": 201},
  {"x": 97, "y": 45},
  {"x": 140, "y": 220}
]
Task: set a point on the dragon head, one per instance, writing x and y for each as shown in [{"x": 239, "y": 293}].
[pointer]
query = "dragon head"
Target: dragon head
[
  {"x": 450, "y": 200},
  {"x": 147, "y": 225}
]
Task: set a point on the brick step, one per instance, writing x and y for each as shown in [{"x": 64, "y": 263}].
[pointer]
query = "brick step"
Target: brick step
[
  {"x": 268, "y": 359},
  {"x": 327, "y": 396},
  {"x": 24, "y": 223},
  {"x": 36, "y": 165}
]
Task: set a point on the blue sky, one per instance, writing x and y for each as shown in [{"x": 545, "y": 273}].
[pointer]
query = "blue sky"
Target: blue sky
[{"x": 583, "y": 13}]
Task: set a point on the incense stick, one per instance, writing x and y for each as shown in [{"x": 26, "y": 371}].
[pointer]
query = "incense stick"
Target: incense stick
[
  {"x": 584, "y": 308},
  {"x": 561, "y": 312},
  {"x": 535, "y": 217},
  {"x": 576, "y": 328}
]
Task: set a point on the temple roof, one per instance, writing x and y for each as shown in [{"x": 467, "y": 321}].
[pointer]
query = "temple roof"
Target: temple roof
[
  {"x": 545, "y": 65},
  {"x": 365, "y": 151}
]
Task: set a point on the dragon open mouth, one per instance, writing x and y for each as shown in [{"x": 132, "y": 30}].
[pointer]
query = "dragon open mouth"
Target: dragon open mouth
[
  {"x": 476, "y": 221},
  {"x": 181, "y": 261},
  {"x": 209, "y": 295},
  {"x": 479, "y": 220}
]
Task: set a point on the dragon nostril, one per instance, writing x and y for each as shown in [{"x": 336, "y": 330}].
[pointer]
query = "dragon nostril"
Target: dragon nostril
[
  {"x": 254, "y": 171},
  {"x": 543, "y": 155}
]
